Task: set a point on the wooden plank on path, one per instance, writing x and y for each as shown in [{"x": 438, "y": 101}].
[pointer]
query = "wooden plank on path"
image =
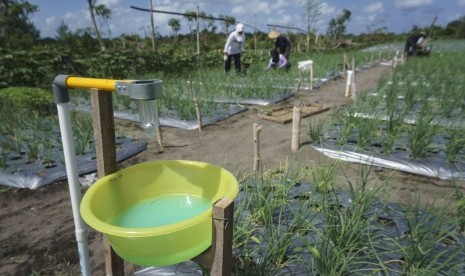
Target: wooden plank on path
[{"x": 283, "y": 115}]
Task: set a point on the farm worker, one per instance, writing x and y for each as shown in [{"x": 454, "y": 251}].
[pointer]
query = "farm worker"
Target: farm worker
[
  {"x": 234, "y": 47},
  {"x": 281, "y": 43},
  {"x": 278, "y": 60},
  {"x": 413, "y": 42}
]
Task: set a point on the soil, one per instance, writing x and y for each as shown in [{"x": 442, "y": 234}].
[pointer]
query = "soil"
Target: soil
[{"x": 37, "y": 230}]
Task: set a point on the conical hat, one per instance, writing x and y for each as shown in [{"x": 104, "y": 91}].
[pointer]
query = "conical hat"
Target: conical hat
[{"x": 273, "y": 34}]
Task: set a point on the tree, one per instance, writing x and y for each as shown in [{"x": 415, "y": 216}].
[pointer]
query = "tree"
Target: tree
[
  {"x": 91, "y": 7},
  {"x": 190, "y": 16},
  {"x": 312, "y": 12},
  {"x": 337, "y": 25},
  {"x": 63, "y": 35},
  {"x": 103, "y": 15},
  {"x": 16, "y": 31},
  {"x": 175, "y": 25},
  {"x": 228, "y": 22},
  {"x": 456, "y": 28}
]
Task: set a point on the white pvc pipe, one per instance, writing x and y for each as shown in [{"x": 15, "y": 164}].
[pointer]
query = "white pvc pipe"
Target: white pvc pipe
[
  {"x": 307, "y": 65},
  {"x": 69, "y": 152}
]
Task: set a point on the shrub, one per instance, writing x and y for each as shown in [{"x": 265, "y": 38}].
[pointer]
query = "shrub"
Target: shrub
[{"x": 33, "y": 99}]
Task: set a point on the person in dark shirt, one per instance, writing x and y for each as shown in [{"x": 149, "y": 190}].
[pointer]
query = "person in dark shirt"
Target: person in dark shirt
[
  {"x": 281, "y": 43},
  {"x": 412, "y": 42}
]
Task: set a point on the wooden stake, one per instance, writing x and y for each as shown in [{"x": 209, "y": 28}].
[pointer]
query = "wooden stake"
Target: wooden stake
[
  {"x": 105, "y": 150},
  {"x": 349, "y": 83},
  {"x": 256, "y": 147},
  {"x": 295, "y": 142},
  {"x": 218, "y": 258},
  {"x": 197, "y": 112},
  {"x": 372, "y": 59},
  {"x": 298, "y": 87},
  {"x": 303, "y": 66},
  {"x": 196, "y": 105},
  {"x": 160, "y": 136},
  {"x": 223, "y": 218}
]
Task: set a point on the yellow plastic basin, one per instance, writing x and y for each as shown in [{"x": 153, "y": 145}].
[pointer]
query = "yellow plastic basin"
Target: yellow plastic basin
[{"x": 158, "y": 213}]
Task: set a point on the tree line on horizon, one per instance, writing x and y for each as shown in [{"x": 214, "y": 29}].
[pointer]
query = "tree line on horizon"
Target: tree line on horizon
[{"x": 27, "y": 59}]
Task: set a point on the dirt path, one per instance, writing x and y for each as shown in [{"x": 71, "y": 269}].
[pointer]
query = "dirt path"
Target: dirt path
[{"x": 37, "y": 230}]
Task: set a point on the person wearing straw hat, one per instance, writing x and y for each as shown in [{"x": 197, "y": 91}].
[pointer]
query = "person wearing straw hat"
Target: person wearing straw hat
[
  {"x": 234, "y": 47},
  {"x": 281, "y": 43}
]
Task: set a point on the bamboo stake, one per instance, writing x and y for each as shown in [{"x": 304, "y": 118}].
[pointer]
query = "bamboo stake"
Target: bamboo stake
[
  {"x": 353, "y": 63},
  {"x": 256, "y": 147},
  {"x": 196, "y": 105},
  {"x": 344, "y": 63},
  {"x": 372, "y": 58},
  {"x": 311, "y": 76},
  {"x": 352, "y": 80},
  {"x": 296, "y": 119},
  {"x": 160, "y": 137}
]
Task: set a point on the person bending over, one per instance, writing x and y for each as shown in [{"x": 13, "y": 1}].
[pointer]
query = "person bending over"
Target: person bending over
[
  {"x": 234, "y": 47},
  {"x": 278, "y": 60},
  {"x": 413, "y": 42}
]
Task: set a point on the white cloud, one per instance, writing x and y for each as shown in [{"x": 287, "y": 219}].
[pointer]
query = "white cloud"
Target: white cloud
[
  {"x": 326, "y": 9},
  {"x": 279, "y": 5},
  {"x": 51, "y": 21},
  {"x": 109, "y": 3},
  {"x": 376, "y": 7},
  {"x": 461, "y": 2},
  {"x": 411, "y": 4},
  {"x": 76, "y": 20},
  {"x": 251, "y": 7}
]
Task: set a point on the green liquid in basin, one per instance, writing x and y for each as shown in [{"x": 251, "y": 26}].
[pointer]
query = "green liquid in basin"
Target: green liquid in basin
[{"x": 162, "y": 210}]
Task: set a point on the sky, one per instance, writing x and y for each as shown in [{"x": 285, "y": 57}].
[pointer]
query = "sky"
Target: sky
[{"x": 397, "y": 16}]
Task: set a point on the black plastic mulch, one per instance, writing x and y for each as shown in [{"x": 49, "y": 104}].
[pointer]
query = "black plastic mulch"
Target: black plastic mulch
[{"x": 393, "y": 231}]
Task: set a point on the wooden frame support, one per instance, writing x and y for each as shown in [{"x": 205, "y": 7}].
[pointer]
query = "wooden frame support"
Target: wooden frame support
[
  {"x": 105, "y": 150},
  {"x": 218, "y": 258}
]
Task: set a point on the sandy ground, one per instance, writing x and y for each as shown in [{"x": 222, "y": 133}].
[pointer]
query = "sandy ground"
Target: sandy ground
[{"x": 36, "y": 226}]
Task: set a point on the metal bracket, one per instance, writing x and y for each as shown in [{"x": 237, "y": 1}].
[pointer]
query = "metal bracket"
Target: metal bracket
[{"x": 140, "y": 89}]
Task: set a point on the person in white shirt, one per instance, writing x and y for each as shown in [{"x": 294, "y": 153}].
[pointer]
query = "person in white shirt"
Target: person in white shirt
[{"x": 234, "y": 47}]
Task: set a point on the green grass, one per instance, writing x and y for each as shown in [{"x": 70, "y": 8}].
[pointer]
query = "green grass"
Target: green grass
[{"x": 338, "y": 238}]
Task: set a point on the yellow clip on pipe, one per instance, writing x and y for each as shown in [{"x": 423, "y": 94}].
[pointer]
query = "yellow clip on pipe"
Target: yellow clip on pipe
[{"x": 102, "y": 84}]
